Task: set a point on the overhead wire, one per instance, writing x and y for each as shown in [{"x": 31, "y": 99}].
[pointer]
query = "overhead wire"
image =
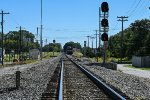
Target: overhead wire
[
  {"x": 144, "y": 10},
  {"x": 67, "y": 30},
  {"x": 131, "y": 7},
  {"x": 138, "y": 11},
  {"x": 13, "y": 19},
  {"x": 135, "y": 8}
]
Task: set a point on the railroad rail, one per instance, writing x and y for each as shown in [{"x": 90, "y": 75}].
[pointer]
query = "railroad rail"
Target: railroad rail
[{"x": 74, "y": 82}]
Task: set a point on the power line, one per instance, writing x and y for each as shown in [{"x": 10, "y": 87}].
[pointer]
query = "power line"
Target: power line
[
  {"x": 13, "y": 19},
  {"x": 41, "y": 33},
  {"x": 88, "y": 39},
  {"x": 92, "y": 38},
  {"x": 143, "y": 11},
  {"x": 96, "y": 37},
  {"x": 131, "y": 13},
  {"x": 132, "y": 5}
]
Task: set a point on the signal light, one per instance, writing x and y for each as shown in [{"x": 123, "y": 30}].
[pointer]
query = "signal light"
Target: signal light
[
  {"x": 104, "y": 7},
  {"x": 54, "y": 41},
  {"x": 84, "y": 43},
  {"x": 104, "y": 37},
  {"x": 104, "y": 23}
]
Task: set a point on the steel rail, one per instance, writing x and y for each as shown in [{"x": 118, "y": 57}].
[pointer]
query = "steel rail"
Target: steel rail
[
  {"x": 100, "y": 84},
  {"x": 60, "y": 95}
]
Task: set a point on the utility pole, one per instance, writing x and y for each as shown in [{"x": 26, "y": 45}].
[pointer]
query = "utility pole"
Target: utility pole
[
  {"x": 92, "y": 41},
  {"x": 20, "y": 49},
  {"x": 99, "y": 27},
  {"x": 96, "y": 38},
  {"x": 88, "y": 40},
  {"x": 41, "y": 34},
  {"x": 2, "y": 23},
  {"x": 84, "y": 48},
  {"x": 122, "y": 19},
  {"x": 37, "y": 34},
  {"x": 45, "y": 41},
  {"x": 96, "y": 44},
  {"x": 53, "y": 46},
  {"x": 20, "y": 42}
]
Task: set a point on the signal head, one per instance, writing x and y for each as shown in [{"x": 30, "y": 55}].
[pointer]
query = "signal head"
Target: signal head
[{"x": 104, "y": 7}]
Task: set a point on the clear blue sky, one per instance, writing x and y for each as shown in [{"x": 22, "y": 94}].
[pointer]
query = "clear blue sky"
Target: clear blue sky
[{"x": 70, "y": 20}]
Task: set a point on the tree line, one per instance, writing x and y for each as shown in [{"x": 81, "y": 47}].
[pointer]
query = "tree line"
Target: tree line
[
  {"x": 135, "y": 41},
  {"x": 12, "y": 42}
]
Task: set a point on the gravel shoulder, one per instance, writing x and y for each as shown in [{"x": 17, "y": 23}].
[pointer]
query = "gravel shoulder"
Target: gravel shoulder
[
  {"x": 34, "y": 79},
  {"x": 137, "y": 88},
  {"x": 133, "y": 71}
]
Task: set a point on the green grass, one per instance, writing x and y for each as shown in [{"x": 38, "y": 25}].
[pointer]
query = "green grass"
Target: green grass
[
  {"x": 130, "y": 66},
  {"x": 11, "y": 57},
  {"x": 29, "y": 61},
  {"x": 109, "y": 59},
  {"x": 78, "y": 54},
  {"x": 100, "y": 59},
  {"x": 47, "y": 55},
  {"x": 145, "y": 68}
]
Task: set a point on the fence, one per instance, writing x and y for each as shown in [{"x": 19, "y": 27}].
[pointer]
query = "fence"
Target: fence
[{"x": 141, "y": 61}]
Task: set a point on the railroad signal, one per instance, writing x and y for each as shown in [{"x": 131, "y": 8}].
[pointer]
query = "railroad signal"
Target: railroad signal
[
  {"x": 104, "y": 37},
  {"x": 54, "y": 41},
  {"x": 104, "y": 22},
  {"x": 104, "y": 7},
  {"x": 84, "y": 43}
]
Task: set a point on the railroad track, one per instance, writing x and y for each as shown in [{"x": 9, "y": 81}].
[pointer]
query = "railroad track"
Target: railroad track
[{"x": 73, "y": 82}]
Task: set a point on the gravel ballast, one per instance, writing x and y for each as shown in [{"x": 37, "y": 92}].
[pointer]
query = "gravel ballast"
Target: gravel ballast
[
  {"x": 135, "y": 87},
  {"x": 34, "y": 79}
]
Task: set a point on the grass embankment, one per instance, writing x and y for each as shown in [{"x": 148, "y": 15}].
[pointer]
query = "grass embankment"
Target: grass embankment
[
  {"x": 100, "y": 59},
  {"x": 130, "y": 66},
  {"x": 8, "y": 60},
  {"x": 47, "y": 55},
  {"x": 111, "y": 59},
  {"x": 78, "y": 54}
]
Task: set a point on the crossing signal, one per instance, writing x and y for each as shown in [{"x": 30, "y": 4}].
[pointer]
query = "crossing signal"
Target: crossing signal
[
  {"x": 104, "y": 37},
  {"x": 104, "y": 22},
  {"x": 104, "y": 7}
]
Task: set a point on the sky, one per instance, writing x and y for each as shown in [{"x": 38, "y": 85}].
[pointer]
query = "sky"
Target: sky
[{"x": 69, "y": 20}]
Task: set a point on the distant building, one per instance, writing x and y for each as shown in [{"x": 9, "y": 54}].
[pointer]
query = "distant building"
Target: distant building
[{"x": 34, "y": 54}]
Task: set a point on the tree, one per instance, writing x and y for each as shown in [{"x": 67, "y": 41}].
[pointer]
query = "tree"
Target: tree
[
  {"x": 12, "y": 41},
  {"x": 52, "y": 46},
  {"x": 72, "y": 44},
  {"x": 136, "y": 40}
]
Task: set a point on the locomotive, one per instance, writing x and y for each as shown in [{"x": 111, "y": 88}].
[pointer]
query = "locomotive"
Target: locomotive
[{"x": 69, "y": 50}]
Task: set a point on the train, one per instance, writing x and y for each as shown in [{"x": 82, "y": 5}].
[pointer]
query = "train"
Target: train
[{"x": 69, "y": 50}]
